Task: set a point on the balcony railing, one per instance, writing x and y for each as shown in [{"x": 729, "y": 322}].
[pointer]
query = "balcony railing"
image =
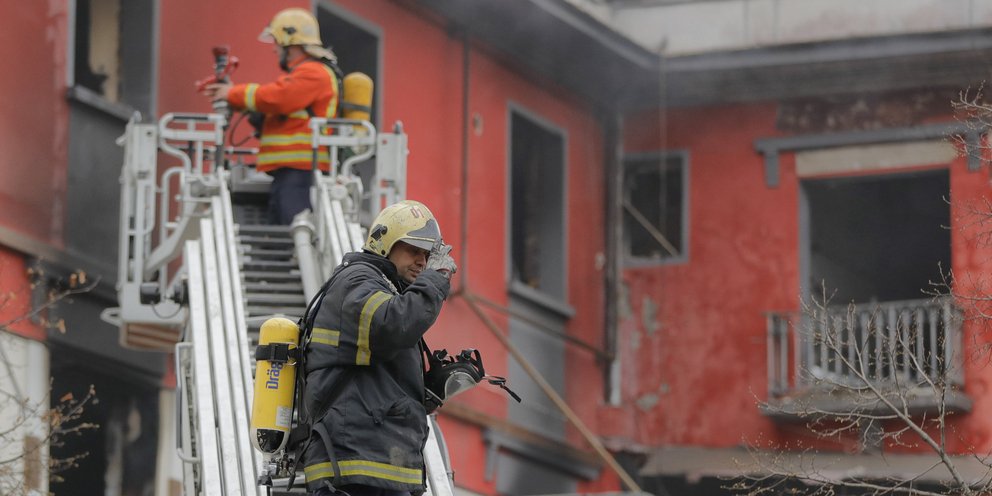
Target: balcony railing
[{"x": 912, "y": 345}]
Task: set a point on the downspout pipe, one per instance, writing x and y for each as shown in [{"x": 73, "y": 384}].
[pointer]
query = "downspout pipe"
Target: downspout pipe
[
  {"x": 466, "y": 58},
  {"x": 613, "y": 243}
]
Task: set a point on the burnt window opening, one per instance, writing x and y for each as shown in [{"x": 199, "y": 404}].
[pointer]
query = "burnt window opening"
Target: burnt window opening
[
  {"x": 878, "y": 238},
  {"x": 537, "y": 203},
  {"x": 356, "y": 46},
  {"x": 113, "y": 54},
  {"x": 654, "y": 208},
  {"x": 117, "y": 454},
  {"x": 98, "y": 47}
]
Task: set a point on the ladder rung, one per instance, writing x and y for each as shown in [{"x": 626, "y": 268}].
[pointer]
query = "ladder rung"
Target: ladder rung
[
  {"x": 274, "y": 287},
  {"x": 290, "y": 312},
  {"x": 269, "y": 265},
  {"x": 254, "y": 322},
  {"x": 256, "y": 253},
  {"x": 265, "y": 240},
  {"x": 275, "y": 299},
  {"x": 263, "y": 229},
  {"x": 256, "y": 275}
]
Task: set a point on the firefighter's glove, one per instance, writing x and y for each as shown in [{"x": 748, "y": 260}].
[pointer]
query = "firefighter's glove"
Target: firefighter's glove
[{"x": 441, "y": 261}]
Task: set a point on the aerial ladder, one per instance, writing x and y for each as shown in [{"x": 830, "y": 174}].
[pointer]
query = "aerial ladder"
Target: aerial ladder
[{"x": 198, "y": 274}]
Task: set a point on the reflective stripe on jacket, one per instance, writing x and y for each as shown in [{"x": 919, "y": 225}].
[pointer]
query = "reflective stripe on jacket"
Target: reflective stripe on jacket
[
  {"x": 285, "y": 140},
  {"x": 364, "y": 351}
]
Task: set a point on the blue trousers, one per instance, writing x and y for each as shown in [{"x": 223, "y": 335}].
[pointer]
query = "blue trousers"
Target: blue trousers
[
  {"x": 289, "y": 194},
  {"x": 356, "y": 490}
]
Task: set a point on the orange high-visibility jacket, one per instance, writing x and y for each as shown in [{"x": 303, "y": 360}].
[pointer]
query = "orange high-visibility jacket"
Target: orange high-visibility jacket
[{"x": 285, "y": 140}]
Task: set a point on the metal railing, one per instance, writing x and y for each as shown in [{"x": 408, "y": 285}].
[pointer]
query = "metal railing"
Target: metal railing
[
  {"x": 902, "y": 344},
  {"x": 339, "y": 205}
]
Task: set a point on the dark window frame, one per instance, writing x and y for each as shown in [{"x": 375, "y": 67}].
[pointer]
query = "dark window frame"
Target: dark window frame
[
  {"x": 554, "y": 294},
  {"x": 324, "y": 8},
  {"x": 662, "y": 160}
]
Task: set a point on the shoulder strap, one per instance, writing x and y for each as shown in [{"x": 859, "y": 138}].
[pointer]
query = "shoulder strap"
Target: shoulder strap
[
  {"x": 310, "y": 314},
  {"x": 337, "y": 79}
]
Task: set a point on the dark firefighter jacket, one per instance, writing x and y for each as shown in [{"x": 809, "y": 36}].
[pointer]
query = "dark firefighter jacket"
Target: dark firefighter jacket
[{"x": 364, "y": 387}]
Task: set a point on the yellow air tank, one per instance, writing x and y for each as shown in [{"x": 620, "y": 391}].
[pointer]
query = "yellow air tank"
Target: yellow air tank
[
  {"x": 357, "y": 93},
  {"x": 275, "y": 382}
]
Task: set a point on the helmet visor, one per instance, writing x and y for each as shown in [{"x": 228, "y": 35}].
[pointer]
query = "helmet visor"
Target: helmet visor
[
  {"x": 423, "y": 244},
  {"x": 424, "y": 238},
  {"x": 266, "y": 36}
]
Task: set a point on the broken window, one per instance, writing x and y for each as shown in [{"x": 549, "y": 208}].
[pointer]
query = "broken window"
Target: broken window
[
  {"x": 878, "y": 238},
  {"x": 654, "y": 207},
  {"x": 537, "y": 205},
  {"x": 872, "y": 246},
  {"x": 113, "y": 50}
]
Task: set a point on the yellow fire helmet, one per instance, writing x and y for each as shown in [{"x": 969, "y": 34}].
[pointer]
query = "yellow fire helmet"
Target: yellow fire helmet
[
  {"x": 408, "y": 221},
  {"x": 295, "y": 26}
]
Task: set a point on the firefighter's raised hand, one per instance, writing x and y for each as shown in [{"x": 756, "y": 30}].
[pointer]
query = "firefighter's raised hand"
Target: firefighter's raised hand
[
  {"x": 441, "y": 261},
  {"x": 217, "y": 91}
]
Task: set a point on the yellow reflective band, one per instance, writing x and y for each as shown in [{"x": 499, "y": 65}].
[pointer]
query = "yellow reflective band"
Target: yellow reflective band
[
  {"x": 299, "y": 114},
  {"x": 365, "y": 325},
  {"x": 363, "y": 467},
  {"x": 381, "y": 471},
  {"x": 318, "y": 471},
  {"x": 293, "y": 156},
  {"x": 286, "y": 139},
  {"x": 250, "y": 96},
  {"x": 325, "y": 336}
]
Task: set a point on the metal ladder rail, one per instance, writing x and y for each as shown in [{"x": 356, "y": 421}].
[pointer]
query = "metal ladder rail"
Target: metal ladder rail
[
  {"x": 207, "y": 456},
  {"x": 220, "y": 368},
  {"x": 234, "y": 348},
  {"x": 240, "y": 319},
  {"x": 334, "y": 231},
  {"x": 436, "y": 462},
  {"x": 227, "y": 463}
]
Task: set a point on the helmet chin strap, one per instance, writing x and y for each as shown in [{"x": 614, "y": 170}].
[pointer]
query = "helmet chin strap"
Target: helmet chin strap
[{"x": 283, "y": 58}]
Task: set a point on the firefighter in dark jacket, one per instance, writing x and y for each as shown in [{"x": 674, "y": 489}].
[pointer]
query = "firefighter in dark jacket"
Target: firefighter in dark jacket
[{"x": 364, "y": 389}]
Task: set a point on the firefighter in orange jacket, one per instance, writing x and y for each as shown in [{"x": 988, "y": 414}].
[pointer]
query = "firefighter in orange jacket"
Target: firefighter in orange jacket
[{"x": 308, "y": 89}]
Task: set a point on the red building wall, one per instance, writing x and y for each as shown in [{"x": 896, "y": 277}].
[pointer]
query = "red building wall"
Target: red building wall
[
  {"x": 697, "y": 367},
  {"x": 15, "y": 299},
  {"x": 33, "y": 138},
  {"x": 33, "y": 132}
]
